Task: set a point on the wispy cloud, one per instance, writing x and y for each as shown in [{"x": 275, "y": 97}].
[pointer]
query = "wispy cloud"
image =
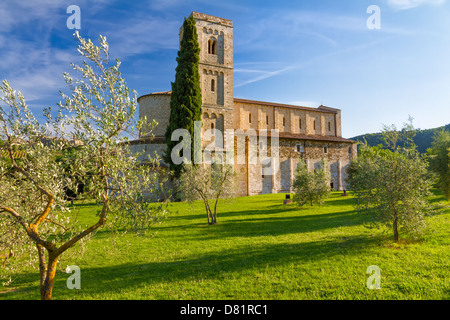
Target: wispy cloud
[
  {"x": 290, "y": 26},
  {"x": 140, "y": 34},
  {"x": 35, "y": 67},
  {"x": 409, "y": 4},
  {"x": 266, "y": 74},
  {"x": 263, "y": 74}
]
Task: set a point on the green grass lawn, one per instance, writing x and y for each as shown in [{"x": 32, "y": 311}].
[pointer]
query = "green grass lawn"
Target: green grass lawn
[{"x": 259, "y": 250}]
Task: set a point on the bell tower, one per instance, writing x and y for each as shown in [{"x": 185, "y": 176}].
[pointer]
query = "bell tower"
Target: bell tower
[{"x": 215, "y": 38}]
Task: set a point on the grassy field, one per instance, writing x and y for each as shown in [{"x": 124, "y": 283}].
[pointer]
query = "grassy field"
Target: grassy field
[{"x": 259, "y": 250}]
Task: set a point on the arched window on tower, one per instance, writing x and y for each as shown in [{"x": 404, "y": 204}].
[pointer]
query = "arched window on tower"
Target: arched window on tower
[
  {"x": 213, "y": 85},
  {"x": 212, "y": 46}
]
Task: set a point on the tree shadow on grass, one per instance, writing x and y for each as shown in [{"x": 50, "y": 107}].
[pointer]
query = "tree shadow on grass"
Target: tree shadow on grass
[
  {"x": 221, "y": 211},
  {"x": 256, "y": 224},
  {"x": 103, "y": 281},
  {"x": 257, "y": 205},
  {"x": 270, "y": 218},
  {"x": 20, "y": 288}
]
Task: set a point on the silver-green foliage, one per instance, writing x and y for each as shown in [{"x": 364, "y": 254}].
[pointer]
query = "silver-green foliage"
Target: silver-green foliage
[
  {"x": 91, "y": 128},
  {"x": 311, "y": 186},
  {"x": 207, "y": 182},
  {"x": 392, "y": 186}
]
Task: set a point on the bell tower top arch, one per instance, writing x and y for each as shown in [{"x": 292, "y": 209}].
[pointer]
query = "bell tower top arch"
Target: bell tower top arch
[{"x": 215, "y": 39}]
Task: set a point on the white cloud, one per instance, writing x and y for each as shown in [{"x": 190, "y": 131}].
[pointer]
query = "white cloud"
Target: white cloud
[
  {"x": 30, "y": 62},
  {"x": 140, "y": 34},
  {"x": 263, "y": 74},
  {"x": 408, "y": 4},
  {"x": 34, "y": 67},
  {"x": 22, "y": 14}
]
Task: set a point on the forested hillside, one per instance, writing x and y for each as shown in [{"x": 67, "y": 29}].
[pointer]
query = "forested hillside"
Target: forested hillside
[{"x": 422, "y": 139}]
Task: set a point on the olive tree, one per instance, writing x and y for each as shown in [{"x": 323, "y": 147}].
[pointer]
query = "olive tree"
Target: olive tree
[
  {"x": 393, "y": 186},
  {"x": 94, "y": 122},
  {"x": 207, "y": 182},
  {"x": 311, "y": 186}
]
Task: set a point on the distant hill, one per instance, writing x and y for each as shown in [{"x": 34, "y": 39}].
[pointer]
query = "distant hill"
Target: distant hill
[{"x": 422, "y": 139}]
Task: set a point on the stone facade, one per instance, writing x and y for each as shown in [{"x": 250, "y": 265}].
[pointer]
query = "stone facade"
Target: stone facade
[
  {"x": 311, "y": 134},
  {"x": 155, "y": 107}
]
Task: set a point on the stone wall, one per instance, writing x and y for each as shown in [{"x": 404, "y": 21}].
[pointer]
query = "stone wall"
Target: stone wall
[
  {"x": 155, "y": 106},
  {"x": 256, "y": 177},
  {"x": 259, "y": 115}
]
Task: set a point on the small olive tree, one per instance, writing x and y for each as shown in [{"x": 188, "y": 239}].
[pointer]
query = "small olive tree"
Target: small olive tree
[
  {"x": 393, "y": 183},
  {"x": 96, "y": 117},
  {"x": 208, "y": 182},
  {"x": 311, "y": 186}
]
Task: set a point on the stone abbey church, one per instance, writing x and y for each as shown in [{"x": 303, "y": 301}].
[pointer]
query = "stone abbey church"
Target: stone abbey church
[{"x": 305, "y": 133}]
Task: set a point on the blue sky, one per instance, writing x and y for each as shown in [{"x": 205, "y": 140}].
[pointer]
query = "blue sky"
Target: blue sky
[{"x": 296, "y": 52}]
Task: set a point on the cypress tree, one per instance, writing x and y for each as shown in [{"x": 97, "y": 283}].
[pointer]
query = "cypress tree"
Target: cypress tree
[{"x": 186, "y": 98}]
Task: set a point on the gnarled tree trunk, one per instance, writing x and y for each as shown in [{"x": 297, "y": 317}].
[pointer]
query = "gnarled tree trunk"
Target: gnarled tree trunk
[{"x": 48, "y": 278}]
